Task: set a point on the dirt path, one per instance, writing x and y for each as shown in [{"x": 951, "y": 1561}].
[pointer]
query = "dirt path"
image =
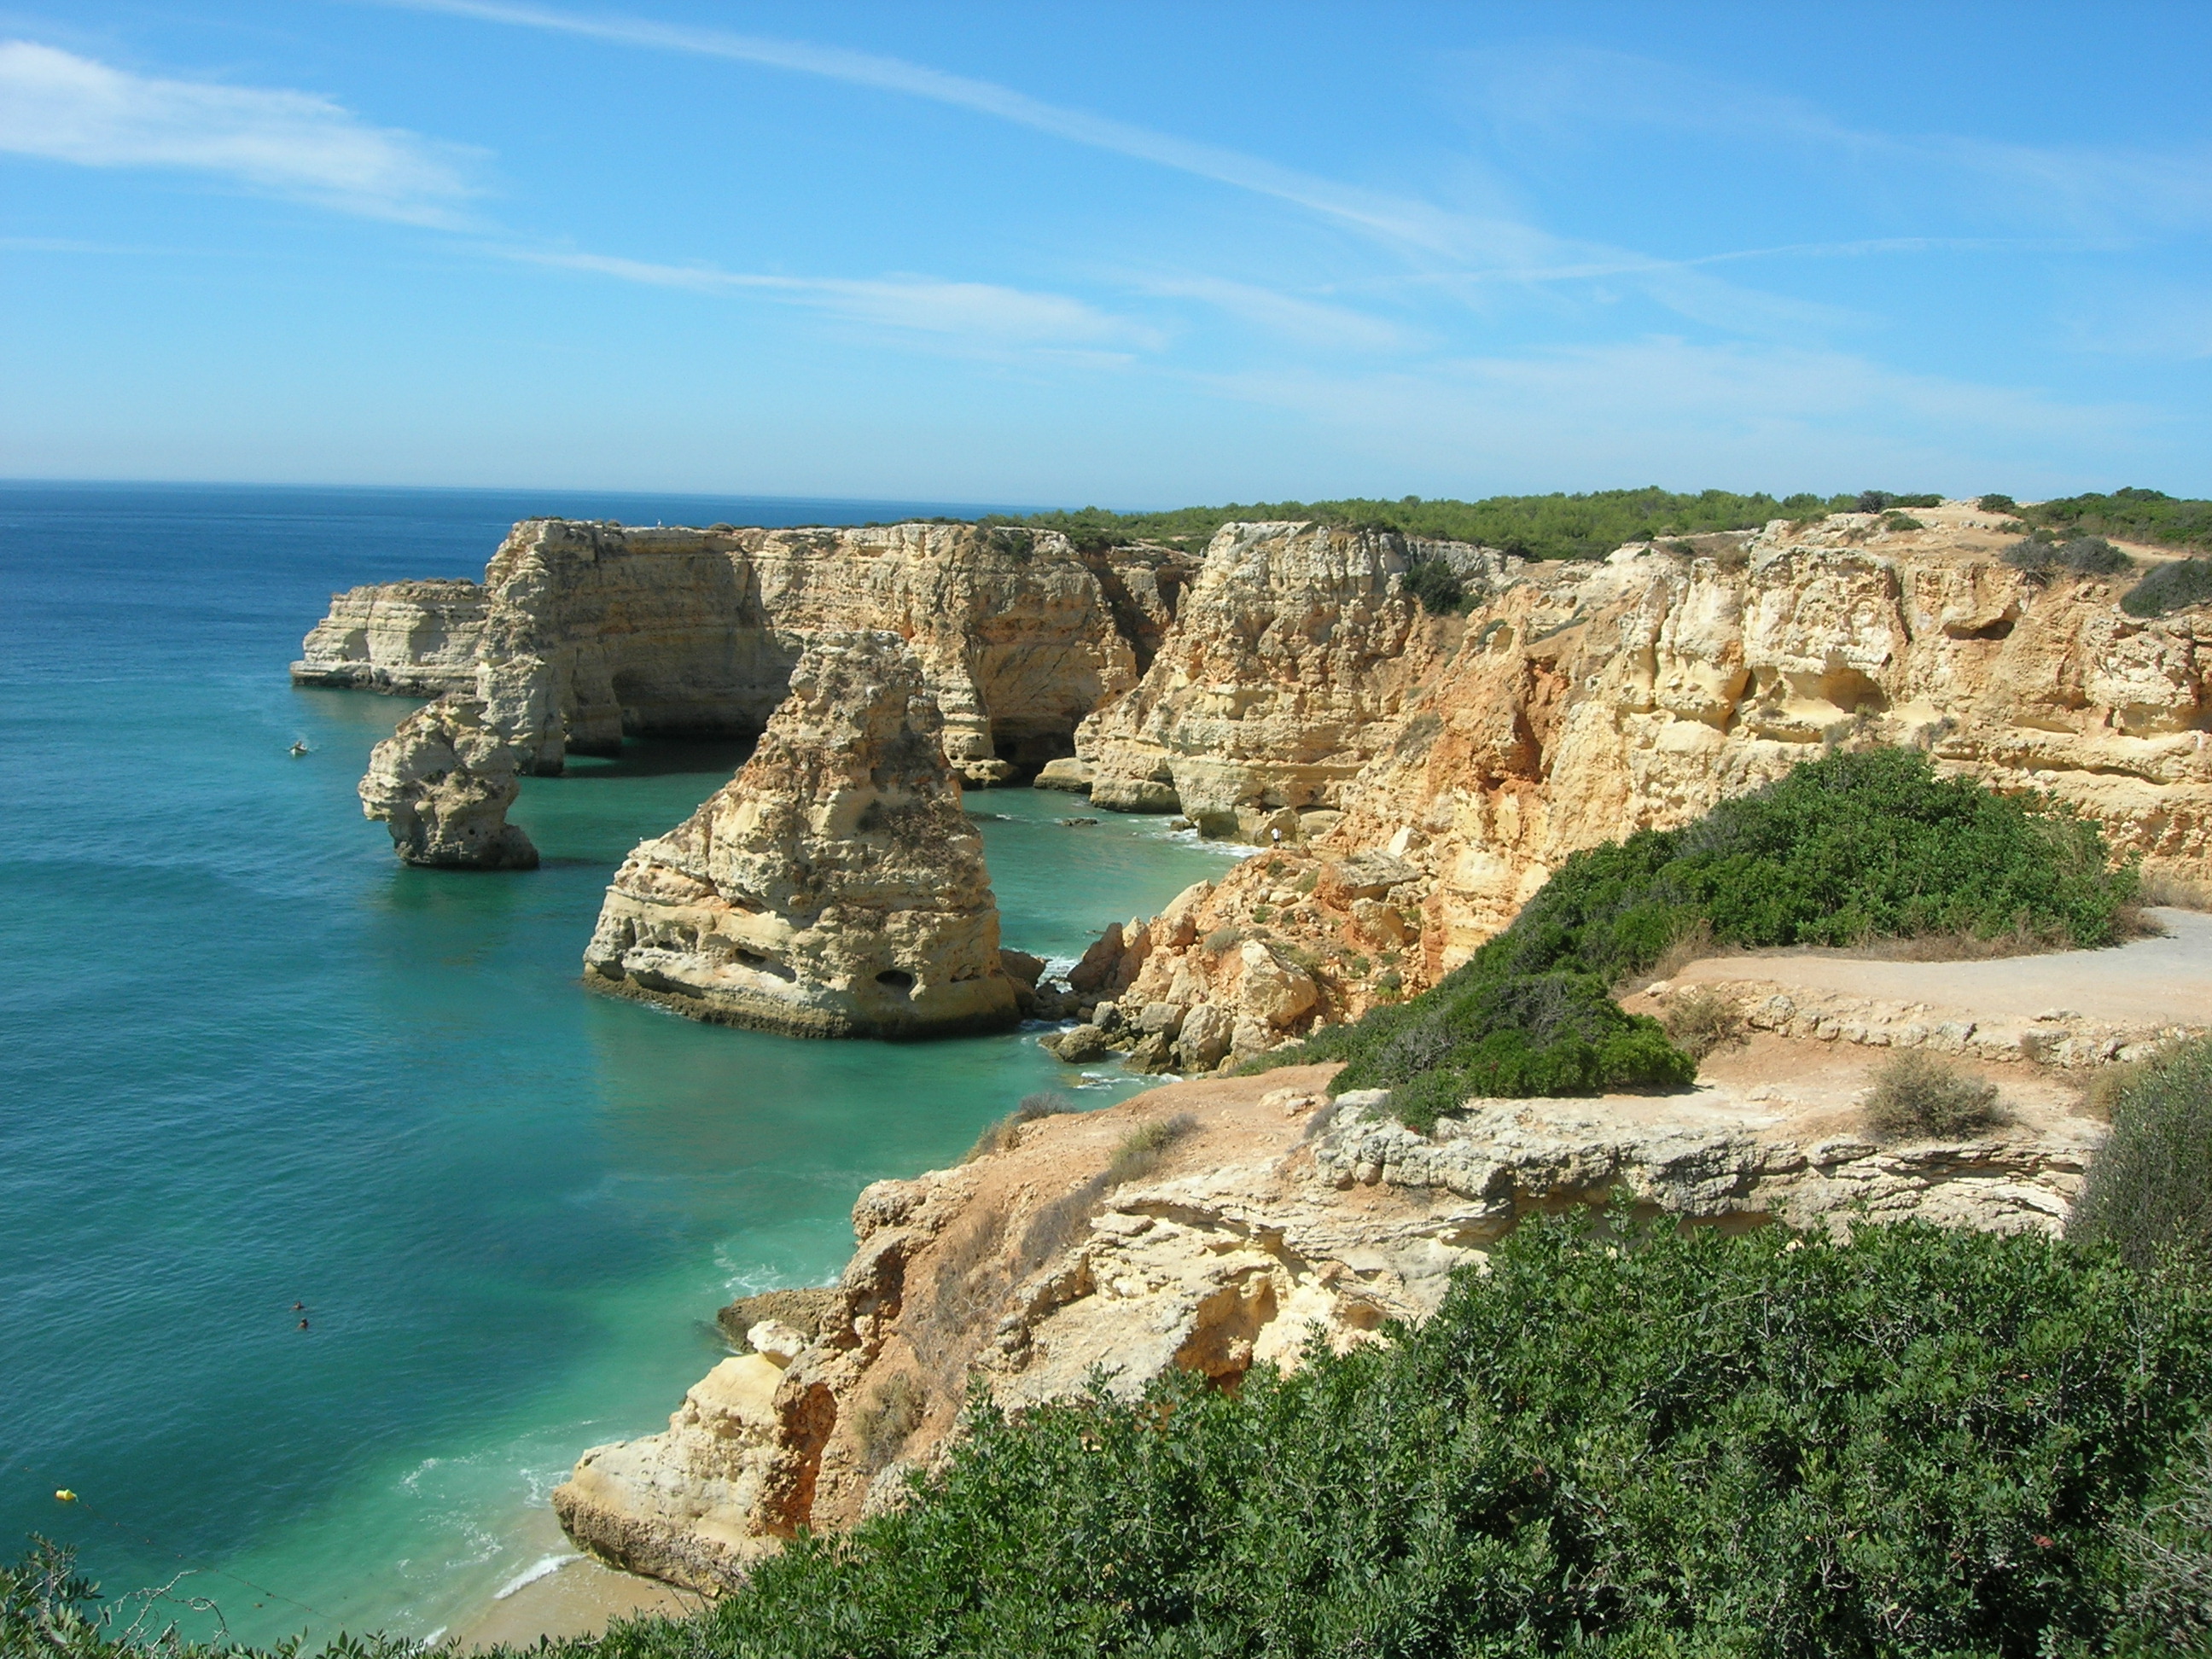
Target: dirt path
[{"x": 2152, "y": 982}]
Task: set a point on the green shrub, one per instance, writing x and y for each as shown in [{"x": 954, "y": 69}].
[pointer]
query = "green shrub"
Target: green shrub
[
  {"x": 1921, "y": 1443},
  {"x": 1996, "y": 504},
  {"x": 2043, "y": 555},
  {"x": 1852, "y": 847},
  {"x": 2169, "y": 587},
  {"x": 2140, "y": 515},
  {"x": 1916, "y": 1097},
  {"x": 1436, "y": 586},
  {"x": 2149, "y": 1193}
]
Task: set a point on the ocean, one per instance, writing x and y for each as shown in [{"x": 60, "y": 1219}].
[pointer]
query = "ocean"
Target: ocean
[{"x": 248, "y": 1059}]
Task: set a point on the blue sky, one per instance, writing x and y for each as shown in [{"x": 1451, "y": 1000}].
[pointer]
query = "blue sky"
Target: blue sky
[{"x": 1130, "y": 254}]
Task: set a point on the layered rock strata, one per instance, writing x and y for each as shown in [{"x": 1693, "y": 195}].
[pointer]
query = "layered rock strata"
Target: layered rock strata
[
  {"x": 833, "y": 887},
  {"x": 1275, "y": 1219},
  {"x": 443, "y": 782},
  {"x": 1577, "y": 704},
  {"x": 414, "y": 639},
  {"x": 1293, "y": 654}
]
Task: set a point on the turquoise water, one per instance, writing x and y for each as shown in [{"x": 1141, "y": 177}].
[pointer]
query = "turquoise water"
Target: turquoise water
[{"x": 248, "y": 1059}]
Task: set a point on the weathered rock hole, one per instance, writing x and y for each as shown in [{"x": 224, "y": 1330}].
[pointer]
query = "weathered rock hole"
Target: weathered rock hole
[{"x": 897, "y": 979}]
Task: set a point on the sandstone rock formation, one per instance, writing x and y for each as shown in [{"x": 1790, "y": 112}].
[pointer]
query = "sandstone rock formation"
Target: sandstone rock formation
[
  {"x": 414, "y": 639},
  {"x": 1277, "y": 1218},
  {"x": 1577, "y": 704},
  {"x": 833, "y": 887},
  {"x": 444, "y": 781}
]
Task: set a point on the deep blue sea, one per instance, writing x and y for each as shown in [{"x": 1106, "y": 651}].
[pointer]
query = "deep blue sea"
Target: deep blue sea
[{"x": 248, "y": 1059}]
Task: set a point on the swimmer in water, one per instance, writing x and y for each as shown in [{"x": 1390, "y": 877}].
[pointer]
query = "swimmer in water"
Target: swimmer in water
[{"x": 303, "y": 1324}]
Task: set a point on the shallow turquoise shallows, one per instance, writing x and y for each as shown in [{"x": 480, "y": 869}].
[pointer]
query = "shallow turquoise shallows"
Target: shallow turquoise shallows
[{"x": 247, "y": 1059}]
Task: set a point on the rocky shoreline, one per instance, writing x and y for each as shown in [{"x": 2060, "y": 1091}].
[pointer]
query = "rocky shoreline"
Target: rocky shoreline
[{"x": 1409, "y": 778}]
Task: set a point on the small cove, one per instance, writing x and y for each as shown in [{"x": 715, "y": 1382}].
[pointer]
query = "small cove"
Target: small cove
[{"x": 252, "y": 1061}]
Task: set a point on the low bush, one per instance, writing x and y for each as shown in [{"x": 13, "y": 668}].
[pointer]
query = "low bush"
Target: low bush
[
  {"x": 1141, "y": 1150},
  {"x": 1918, "y": 1096},
  {"x": 1702, "y": 1020},
  {"x": 2170, "y": 587},
  {"x": 2140, "y": 515},
  {"x": 1003, "y": 1134},
  {"x": 2149, "y": 1193},
  {"x": 2043, "y": 555},
  {"x": 1996, "y": 504}
]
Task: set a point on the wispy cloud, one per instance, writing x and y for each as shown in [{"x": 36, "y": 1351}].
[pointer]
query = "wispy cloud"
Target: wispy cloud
[
  {"x": 57, "y": 106},
  {"x": 1409, "y": 221},
  {"x": 2096, "y": 190},
  {"x": 1290, "y": 316},
  {"x": 981, "y": 314}
]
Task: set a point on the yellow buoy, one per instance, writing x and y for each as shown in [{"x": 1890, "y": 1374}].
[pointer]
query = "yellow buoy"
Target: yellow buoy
[{"x": 66, "y": 1496}]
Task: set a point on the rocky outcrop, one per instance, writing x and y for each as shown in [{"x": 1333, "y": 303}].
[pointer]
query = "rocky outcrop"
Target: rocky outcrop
[
  {"x": 585, "y": 633},
  {"x": 1276, "y": 1219},
  {"x": 1574, "y": 704},
  {"x": 443, "y": 782},
  {"x": 596, "y": 631},
  {"x": 833, "y": 887},
  {"x": 413, "y": 639},
  {"x": 1292, "y": 656}
]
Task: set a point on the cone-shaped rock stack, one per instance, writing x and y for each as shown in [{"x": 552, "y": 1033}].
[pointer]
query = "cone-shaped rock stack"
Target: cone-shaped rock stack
[
  {"x": 833, "y": 887},
  {"x": 443, "y": 782}
]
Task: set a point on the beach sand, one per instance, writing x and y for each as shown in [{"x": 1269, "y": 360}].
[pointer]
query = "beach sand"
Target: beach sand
[{"x": 579, "y": 1597}]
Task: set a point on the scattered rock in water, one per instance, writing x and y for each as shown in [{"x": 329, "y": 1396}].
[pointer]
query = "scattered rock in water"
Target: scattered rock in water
[
  {"x": 1074, "y": 824},
  {"x": 802, "y": 1310},
  {"x": 1077, "y": 1046},
  {"x": 443, "y": 782}
]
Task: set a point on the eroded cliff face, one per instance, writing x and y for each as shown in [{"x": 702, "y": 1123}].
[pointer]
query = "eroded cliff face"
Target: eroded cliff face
[
  {"x": 1292, "y": 659},
  {"x": 1274, "y": 1217},
  {"x": 584, "y": 632},
  {"x": 413, "y": 639},
  {"x": 1580, "y": 703},
  {"x": 833, "y": 887}
]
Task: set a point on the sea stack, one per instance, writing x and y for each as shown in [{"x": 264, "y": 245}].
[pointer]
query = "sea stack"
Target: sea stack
[
  {"x": 443, "y": 782},
  {"x": 833, "y": 887}
]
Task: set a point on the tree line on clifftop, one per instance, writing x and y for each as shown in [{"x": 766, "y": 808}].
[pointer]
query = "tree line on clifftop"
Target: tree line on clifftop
[
  {"x": 1622, "y": 1437},
  {"x": 1589, "y": 525}
]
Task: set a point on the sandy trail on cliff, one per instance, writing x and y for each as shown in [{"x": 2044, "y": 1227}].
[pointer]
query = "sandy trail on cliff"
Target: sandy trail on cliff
[{"x": 2150, "y": 982}]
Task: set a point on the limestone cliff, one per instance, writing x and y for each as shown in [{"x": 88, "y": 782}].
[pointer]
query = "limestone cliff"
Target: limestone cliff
[
  {"x": 1293, "y": 654},
  {"x": 443, "y": 782},
  {"x": 584, "y": 632},
  {"x": 1577, "y": 703},
  {"x": 414, "y": 639},
  {"x": 833, "y": 887}
]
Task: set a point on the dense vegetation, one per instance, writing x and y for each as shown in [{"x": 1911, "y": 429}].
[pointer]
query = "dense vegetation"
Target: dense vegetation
[
  {"x": 1556, "y": 526},
  {"x": 2045, "y": 554},
  {"x": 1851, "y": 847},
  {"x": 2135, "y": 515},
  {"x": 1918, "y": 1442},
  {"x": 2169, "y": 587},
  {"x": 2150, "y": 1192}
]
